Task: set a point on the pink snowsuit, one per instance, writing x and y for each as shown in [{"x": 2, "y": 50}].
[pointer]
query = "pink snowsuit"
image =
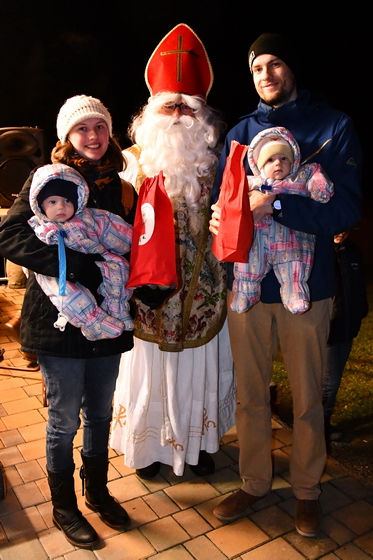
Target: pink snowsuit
[
  {"x": 90, "y": 230},
  {"x": 290, "y": 253}
]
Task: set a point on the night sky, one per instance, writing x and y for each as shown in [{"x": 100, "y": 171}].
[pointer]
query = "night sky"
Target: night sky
[{"x": 101, "y": 49}]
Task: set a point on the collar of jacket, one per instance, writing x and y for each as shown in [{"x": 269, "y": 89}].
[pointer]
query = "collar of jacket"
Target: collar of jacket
[{"x": 293, "y": 111}]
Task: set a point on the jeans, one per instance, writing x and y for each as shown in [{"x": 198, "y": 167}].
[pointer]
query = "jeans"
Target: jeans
[
  {"x": 337, "y": 356},
  {"x": 72, "y": 385}
]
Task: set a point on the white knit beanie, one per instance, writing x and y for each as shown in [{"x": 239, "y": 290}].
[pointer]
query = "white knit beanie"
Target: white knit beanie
[{"x": 77, "y": 109}]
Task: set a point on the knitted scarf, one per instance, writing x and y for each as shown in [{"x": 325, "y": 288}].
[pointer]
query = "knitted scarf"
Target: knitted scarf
[{"x": 103, "y": 181}]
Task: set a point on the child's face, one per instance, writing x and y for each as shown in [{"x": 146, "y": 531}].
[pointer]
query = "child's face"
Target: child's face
[
  {"x": 58, "y": 208},
  {"x": 277, "y": 167},
  {"x": 90, "y": 139}
]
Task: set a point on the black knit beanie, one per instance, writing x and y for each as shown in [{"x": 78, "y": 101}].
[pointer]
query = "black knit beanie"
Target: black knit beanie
[
  {"x": 59, "y": 187},
  {"x": 276, "y": 45}
]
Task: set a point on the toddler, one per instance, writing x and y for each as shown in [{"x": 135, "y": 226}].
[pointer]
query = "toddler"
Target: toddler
[
  {"x": 274, "y": 158},
  {"x": 58, "y": 198}
]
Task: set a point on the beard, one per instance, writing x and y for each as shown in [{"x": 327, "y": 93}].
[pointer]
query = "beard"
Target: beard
[
  {"x": 178, "y": 146},
  {"x": 280, "y": 98},
  {"x": 286, "y": 92}
]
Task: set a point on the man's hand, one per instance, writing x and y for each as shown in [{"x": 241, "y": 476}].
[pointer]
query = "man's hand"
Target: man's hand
[
  {"x": 215, "y": 219},
  {"x": 260, "y": 204}
]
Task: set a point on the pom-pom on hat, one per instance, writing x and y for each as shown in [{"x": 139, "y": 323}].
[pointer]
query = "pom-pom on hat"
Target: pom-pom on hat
[
  {"x": 270, "y": 146},
  {"x": 180, "y": 64},
  {"x": 77, "y": 109}
]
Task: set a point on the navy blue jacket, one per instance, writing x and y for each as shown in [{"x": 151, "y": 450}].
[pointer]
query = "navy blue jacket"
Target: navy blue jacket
[{"x": 325, "y": 136}]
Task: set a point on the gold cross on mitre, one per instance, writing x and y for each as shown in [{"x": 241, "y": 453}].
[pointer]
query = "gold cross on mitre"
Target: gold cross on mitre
[{"x": 179, "y": 51}]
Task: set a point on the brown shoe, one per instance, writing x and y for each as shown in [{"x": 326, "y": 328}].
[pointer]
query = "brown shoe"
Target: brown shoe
[
  {"x": 14, "y": 326},
  {"x": 32, "y": 358},
  {"x": 308, "y": 518},
  {"x": 235, "y": 506}
]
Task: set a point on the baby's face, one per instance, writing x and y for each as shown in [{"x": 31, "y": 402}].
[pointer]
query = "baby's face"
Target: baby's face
[
  {"x": 58, "y": 208},
  {"x": 277, "y": 167}
]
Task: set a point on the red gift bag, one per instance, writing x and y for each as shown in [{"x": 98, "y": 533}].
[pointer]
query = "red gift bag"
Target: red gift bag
[
  {"x": 153, "y": 253},
  {"x": 235, "y": 235}
]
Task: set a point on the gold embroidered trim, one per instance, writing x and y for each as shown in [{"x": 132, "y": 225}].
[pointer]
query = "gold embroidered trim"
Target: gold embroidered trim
[
  {"x": 136, "y": 151},
  {"x": 122, "y": 415},
  {"x": 206, "y": 422}
]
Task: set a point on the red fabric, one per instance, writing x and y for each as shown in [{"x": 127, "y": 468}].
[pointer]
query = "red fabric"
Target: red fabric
[
  {"x": 235, "y": 236},
  {"x": 153, "y": 253},
  {"x": 180, "y": 64}
]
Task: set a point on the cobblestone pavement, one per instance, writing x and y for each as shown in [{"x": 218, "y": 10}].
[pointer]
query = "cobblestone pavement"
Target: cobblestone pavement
[{"x": 171, "y": 516}]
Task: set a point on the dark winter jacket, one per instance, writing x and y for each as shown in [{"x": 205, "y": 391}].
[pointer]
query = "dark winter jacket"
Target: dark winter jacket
[
  {"x": 325, "y": 136},
  {"x": 19, "y": 244}
]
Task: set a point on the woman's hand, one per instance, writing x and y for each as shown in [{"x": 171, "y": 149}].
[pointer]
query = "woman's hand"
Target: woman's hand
[{"x": 215, "y": 219}]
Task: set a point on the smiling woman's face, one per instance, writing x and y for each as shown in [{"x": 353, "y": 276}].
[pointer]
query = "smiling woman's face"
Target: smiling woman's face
[{"x": 90, "y": 139}]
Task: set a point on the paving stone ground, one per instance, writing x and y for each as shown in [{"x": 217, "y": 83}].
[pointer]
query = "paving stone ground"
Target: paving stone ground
[{"x": 171, "y": 516}]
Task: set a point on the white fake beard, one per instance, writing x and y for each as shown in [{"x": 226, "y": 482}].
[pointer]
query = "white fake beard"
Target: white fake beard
[{"x": 176, "y": 146}]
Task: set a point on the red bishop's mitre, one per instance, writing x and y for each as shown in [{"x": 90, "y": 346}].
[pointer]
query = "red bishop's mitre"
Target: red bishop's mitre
[{"x": 180, "y": 64}]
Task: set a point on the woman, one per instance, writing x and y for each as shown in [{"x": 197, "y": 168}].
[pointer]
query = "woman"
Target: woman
[{"x": 80, "y": 374}]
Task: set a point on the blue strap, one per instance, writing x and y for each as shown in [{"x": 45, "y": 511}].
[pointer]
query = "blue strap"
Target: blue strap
[{"x": 62, "y": 263}]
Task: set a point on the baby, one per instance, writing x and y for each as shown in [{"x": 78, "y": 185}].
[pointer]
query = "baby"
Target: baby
[
  {"x": 274, "y": 158},
  {"x": 58, "y": 198}
]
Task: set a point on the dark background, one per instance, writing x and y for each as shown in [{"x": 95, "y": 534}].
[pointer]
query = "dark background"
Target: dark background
[{"x": 50, "y": 52}]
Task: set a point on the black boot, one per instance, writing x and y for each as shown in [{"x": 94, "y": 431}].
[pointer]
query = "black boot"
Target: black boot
[
  {"x": 150, "y": 471},
  {"x": 97, "y": 496},
  {"x": 66, "y": 515},
  {"x": 205, "y": 465}
]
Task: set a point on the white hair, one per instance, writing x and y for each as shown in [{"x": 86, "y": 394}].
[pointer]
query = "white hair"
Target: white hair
[{"x": 181, "y": 147}]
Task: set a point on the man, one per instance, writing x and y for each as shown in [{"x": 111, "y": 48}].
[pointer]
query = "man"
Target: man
[
  {"x": 325, "y": 136},
  {"x": 175, "y": 395}
]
